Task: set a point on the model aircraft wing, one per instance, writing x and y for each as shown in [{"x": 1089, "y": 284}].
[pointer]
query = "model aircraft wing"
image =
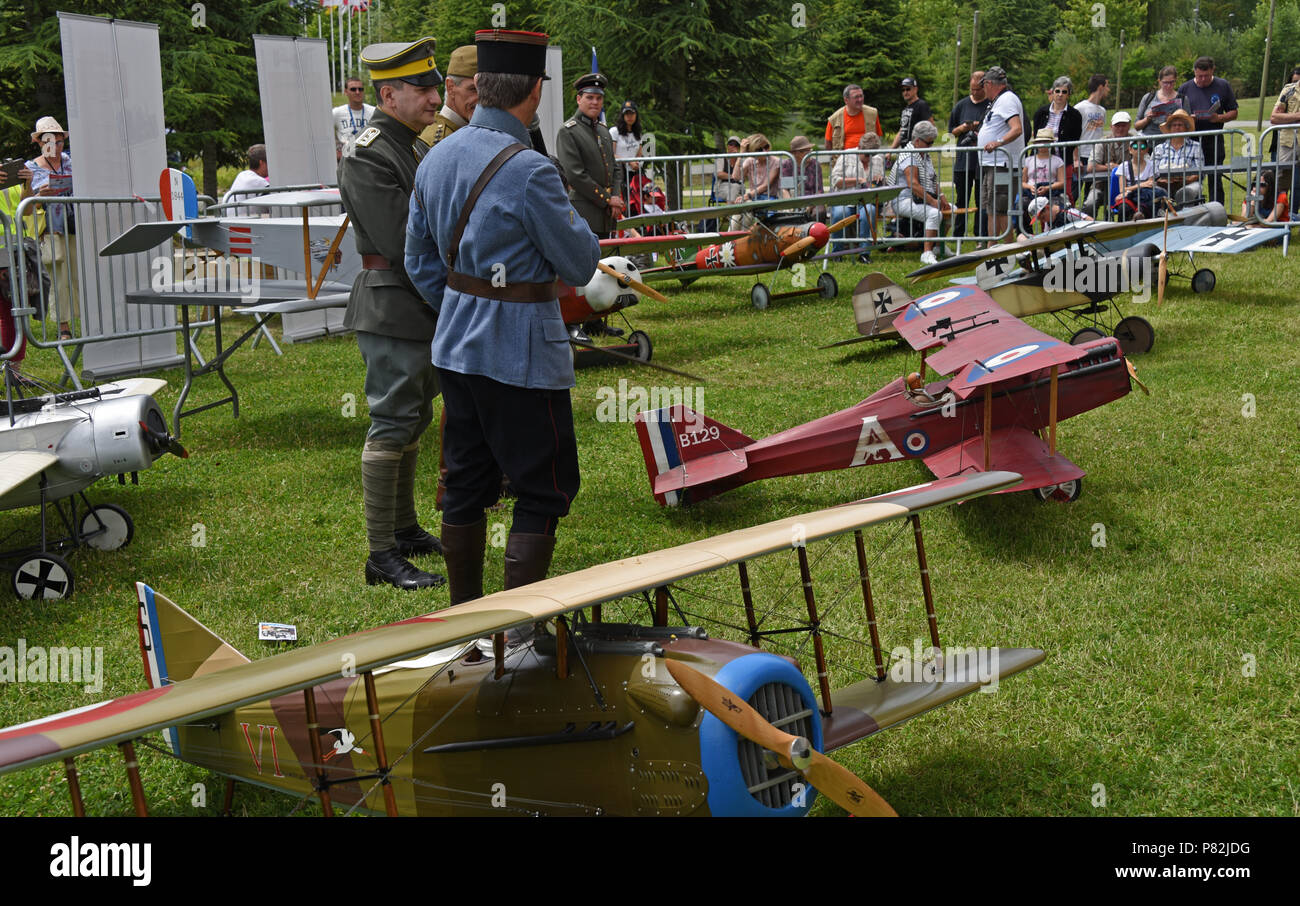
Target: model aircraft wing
[
  {"x": 293, "y": 306},
  {"x": 146, "y": 236},
  {"x": 133, "y": 386},
  {"x": 1227, "y": 240},
  {"x": 308, "y": 198},
  {"x": 1004, "y": 255},
  {"x": 635, "y": 245},
  {"x": 982, "y": 344},
  {"x": 19, "y": 466},
  {"x": 827, "y": 199},
  {"x": 1010, "y": 448},
  {"x": 218, "y": 692}
]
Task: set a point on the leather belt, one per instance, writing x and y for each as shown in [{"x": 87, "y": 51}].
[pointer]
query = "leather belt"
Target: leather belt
[
  {"x": 376, "y": 263},
  {"x": 512, "y": 292}
]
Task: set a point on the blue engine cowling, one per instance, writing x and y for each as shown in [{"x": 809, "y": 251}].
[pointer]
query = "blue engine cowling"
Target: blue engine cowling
[{"x": 733, "y": 765}]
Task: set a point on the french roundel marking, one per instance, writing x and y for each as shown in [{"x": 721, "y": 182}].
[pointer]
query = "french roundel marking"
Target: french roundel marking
[{"x": 916, "y": 442}]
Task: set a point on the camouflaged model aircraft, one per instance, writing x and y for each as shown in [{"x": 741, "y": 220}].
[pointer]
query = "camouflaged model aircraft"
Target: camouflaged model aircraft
[
  {"x": 1076, "y": 273},
  {"x": 591, "y": 717}
]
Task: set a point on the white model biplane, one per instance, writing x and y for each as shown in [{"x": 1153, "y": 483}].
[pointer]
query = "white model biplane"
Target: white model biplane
[{"x": 590, "y": 717}]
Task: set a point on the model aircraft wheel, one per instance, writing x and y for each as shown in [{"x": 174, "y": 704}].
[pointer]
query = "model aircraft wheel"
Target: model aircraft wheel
[
  {"x": 643, "y": 347},
  {"x": 760, "y": 296},
  {"x": 1203, "y": 281},
  {"x": 1135, "y": 335},
  {"x": 46, "y": 576},
  {"x": 107, "y": 527},
  {"x": 1065, "y": 492},
  {"x": 826, "y": 283},
  {"x": 1085, "y": 335}
]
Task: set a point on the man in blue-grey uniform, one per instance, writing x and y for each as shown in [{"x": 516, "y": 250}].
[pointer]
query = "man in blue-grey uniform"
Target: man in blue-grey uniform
[{"x": 490, "y": 227}]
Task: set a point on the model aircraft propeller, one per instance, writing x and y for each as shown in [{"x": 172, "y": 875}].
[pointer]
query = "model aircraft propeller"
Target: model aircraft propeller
[
  {"x": 795, "y": 248},
  {"x": 631, "y": 358},
  {"x": 1163, "y": 275},
  {"x": 840, "y": 784},
  {"x": 1133, "y": 373},
  {"x": 164, "y": 441},
  {"x": 625, "y": 280}
]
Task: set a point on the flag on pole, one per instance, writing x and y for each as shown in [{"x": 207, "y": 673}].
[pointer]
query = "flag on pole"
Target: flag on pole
[{"x": 595, "y": 68}]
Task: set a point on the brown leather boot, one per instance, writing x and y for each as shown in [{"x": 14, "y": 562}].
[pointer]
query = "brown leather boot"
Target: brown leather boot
[
  {"x": 528, "y": 558},
  {"x": 462, "y": 550}
]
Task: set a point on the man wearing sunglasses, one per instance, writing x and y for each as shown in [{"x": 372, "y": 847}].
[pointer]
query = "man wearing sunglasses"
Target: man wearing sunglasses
[{"x": 351, "y": 119}]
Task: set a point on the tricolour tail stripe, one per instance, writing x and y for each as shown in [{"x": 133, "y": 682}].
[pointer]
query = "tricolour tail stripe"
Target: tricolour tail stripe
[
  {"x": 659, "y": 433},
  {"x": 151, "y": 647}
]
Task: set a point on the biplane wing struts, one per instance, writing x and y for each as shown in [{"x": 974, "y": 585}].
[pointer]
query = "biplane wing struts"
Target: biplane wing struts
[{"x": 411, "y": 718}]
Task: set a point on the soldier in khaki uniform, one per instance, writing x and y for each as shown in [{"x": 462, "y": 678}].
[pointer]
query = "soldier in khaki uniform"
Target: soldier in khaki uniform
[
  {"x": 461, "y": 95},
  {"x": 586, "y": 154},
  {"x": 394, "y": 325}
]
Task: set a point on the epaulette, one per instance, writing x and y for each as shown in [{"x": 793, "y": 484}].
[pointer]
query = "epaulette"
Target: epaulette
[
  {"x": 365, "y": 138},
  {"x": 569, "y": 122}
]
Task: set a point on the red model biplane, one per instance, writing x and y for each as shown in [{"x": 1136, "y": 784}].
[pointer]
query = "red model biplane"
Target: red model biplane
[{"x": 1009, "y": 383}]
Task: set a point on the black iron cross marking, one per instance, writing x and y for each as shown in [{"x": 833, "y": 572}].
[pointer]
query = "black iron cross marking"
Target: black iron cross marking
[
  {"x": 42, "y": 581},
  {"x": 997, "y": 265},
  {"x": 883, "y": 298}
]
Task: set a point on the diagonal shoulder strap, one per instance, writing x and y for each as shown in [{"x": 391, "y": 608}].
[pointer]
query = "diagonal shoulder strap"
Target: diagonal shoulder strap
[{"x": 484, "y": 178}]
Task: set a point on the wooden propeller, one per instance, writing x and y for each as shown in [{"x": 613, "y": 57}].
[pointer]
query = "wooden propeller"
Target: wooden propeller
[
  {"x": 843, "y": 788},
  {"x": 1133, "y": 373},
  {"x": 797, "y": 247},
  {"x": 625, "y": 280},
  {"x": 1163, "y": 275}
]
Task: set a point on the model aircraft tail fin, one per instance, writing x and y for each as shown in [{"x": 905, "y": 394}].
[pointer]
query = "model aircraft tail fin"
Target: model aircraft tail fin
[
  {"x": 876, "y": 300},
  {"x": 176, "y": 647},
  {"x": 684, "y": 449}
]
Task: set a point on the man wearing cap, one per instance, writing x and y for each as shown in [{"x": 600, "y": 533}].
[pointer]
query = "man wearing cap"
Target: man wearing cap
[
  {"x": 809, "y": 181},
  {"x": 1001, "y": 140},
  {"x": 393, "y": 324},
  {"x": 484, "y": 246},
  {"x": 586, "y": 153},
  {"x": 915, "y": 110},
  {"x": 852, "y": 121},
  {"x": 461, "y": 95},
  {"x": 1286, "y": 112},
  {"x": 1106, "y": 156}
]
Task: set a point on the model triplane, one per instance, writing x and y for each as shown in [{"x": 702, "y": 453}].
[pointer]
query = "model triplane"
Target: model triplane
[
  {"x": 1010, "y": 384},
  {"x": 55, "y": 445},
  {"x": 774, "y": 241},
  {"x": 591, "y": 717}
]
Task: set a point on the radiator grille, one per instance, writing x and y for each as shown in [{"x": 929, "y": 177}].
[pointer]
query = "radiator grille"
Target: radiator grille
[{"x": 781, "y": 706}]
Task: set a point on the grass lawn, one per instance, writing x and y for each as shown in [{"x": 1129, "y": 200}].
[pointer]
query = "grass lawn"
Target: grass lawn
[{"x": 1171, "y": 650}]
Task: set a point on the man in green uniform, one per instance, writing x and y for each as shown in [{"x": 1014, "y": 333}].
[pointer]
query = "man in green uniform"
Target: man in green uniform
[
  {"x": 461, "y": 95},
  {"x": 394, "y": 325},
  {"x": 586, "y": 154}
]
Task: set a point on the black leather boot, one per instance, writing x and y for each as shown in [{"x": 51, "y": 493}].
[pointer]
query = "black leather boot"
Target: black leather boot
[
  {"x": 414, "y": 541},
  {"x": 462, "y": 549},
  {"x": 388, "y": 566}
]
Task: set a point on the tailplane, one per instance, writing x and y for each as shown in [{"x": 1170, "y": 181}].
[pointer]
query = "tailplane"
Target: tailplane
[
  {"x": 876, "y": 300},
  {"x": 685, "y": 452}
]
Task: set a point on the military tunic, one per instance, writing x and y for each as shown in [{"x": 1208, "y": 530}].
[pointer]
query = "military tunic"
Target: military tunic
[
  {"x": 443, "y": 126},
  {"x": 586, "y": 153},
  {"x": 394, "y": 324},
  {"x": 505, "y": 366}
]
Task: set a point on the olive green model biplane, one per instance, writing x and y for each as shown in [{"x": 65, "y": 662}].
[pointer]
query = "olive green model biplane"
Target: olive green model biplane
[{"x": 436, "y": 715}]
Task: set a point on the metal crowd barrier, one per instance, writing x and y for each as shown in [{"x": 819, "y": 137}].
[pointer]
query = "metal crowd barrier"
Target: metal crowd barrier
[
  {"x": 691, "y": 179},
  {"x": 1286, "y": 178},
  {"x": 1216, "y": 179},
  {"x": 11, "y": 261}
]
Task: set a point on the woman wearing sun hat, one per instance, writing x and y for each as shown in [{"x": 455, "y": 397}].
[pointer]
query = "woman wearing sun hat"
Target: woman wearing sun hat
[{"x": 52, "y": 176}]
